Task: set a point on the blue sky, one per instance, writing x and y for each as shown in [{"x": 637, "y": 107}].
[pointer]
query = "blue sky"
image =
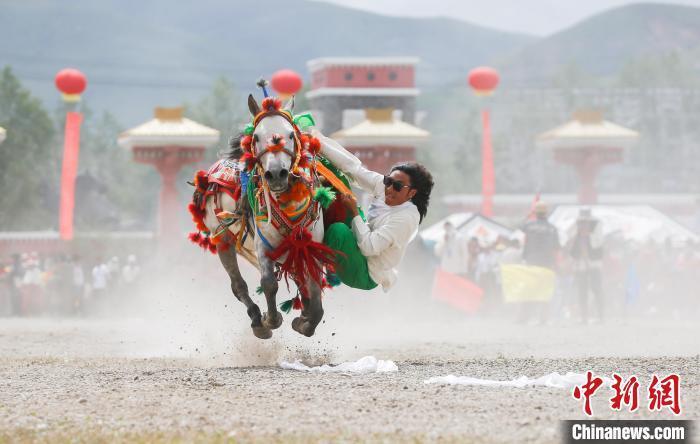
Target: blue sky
[{"x": 539, "y": 17}]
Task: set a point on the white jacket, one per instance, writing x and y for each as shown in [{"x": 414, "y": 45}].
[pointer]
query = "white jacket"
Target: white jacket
[{"x": 383, "y": 239}]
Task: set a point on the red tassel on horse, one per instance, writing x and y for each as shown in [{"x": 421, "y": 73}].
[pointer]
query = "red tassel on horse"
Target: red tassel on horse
[
  {"x": 195, "y": 237},
  {"x": 305, "y": 257},
  {"x": 297, "y": 303},
  {"x": 305, "y": 159},
  {"x": 249, "y": 160},
  {"x": 201, "y": 180},
  {"x": 314, "y": 146},
  {"x": 246, "y": 141},
  {"x": 271, "y": 104},
  {"x": 197, "y": 216}
]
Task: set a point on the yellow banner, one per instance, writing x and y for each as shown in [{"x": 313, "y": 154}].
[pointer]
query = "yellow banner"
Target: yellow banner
[{"x": 527, "y": 283}]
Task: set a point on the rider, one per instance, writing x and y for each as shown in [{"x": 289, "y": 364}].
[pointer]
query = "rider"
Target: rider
[{"x": 371, "y": 250}]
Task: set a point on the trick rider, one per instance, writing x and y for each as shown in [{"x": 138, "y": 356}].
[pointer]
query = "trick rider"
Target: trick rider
[{"x": 372, "y": 250}]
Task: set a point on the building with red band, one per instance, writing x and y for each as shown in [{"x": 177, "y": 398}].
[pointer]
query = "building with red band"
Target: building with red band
[{"x": 357, "y": 83}]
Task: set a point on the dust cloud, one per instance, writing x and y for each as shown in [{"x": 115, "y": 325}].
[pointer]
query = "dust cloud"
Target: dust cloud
[{"x": 183, "y": 309}]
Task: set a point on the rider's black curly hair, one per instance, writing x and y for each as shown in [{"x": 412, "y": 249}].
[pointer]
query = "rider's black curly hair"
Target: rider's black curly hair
[{"x": 421, "y": 181}]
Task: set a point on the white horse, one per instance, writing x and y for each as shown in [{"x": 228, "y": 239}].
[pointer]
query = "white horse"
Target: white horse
[{"x": 274, "y": 149}]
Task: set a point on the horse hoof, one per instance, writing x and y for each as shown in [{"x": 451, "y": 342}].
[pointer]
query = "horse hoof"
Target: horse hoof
[
  {"x": 302, "y": 326},
  {"x": 272, "y": 322},
  {"x": 262, "y": 332}
]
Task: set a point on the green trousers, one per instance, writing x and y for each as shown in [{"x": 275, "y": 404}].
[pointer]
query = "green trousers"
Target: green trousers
[{"x": 351, "y": 265}]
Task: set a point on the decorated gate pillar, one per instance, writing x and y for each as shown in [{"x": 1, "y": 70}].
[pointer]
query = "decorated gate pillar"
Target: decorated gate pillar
[
  {"x": 381, "y": 141},
  {"x": 587, "y": 143},
  {"x": 168, "y": 142}
]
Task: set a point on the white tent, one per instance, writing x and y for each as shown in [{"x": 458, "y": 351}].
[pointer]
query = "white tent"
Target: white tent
[
  {"x": 434, "y": 232},
  {"x": 469, "y": 225},
  {"x": 632, "y": 223}
]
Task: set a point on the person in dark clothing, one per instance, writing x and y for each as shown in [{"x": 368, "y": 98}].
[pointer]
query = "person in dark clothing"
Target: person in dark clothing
[
  {"x": 541, "y": 249},
  {"x": 587, "y": 252},
  {"x": 541, "y": 240}
]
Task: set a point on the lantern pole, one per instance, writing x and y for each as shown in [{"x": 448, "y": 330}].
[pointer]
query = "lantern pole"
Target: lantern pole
[
  {"x": 71, "y": 83},
  {"x": 488, "y": 181},
  {"x": 484, "y": 81}
]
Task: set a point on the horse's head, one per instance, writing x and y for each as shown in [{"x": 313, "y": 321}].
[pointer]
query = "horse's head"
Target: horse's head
[{"x": 274, "y": 143}]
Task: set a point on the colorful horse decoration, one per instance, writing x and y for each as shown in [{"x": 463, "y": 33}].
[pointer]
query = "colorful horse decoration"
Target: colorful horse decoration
[{"x": 268, "y": 201}]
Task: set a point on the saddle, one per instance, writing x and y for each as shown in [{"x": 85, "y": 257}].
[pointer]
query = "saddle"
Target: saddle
[
  {"x": 228, "y": 176},
  {"x": 225, "y": 176}
]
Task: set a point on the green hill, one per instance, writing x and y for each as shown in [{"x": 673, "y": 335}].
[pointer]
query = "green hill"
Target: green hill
[
  {"x": 602, "y": 44},
  {"x": 139, "y": 54}
]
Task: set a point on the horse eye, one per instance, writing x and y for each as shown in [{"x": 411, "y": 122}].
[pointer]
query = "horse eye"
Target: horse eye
[
  {"x": 256, "y": 138},
  {"x": 291, "y": 135}
]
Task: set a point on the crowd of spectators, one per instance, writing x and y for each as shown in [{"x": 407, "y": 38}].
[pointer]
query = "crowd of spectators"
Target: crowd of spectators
[
  {"x": 596, "y": 278},
  {"x": 34, "y": 284}
]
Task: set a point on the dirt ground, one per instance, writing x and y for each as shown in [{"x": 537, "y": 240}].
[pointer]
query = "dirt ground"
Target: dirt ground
[
  {"x": 128, "y": 379},
  {"x": 176, "y": 361}
]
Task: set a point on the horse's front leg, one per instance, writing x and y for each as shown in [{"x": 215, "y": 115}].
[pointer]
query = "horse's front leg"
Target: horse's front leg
[
  {"x": 313, "y": 311},
  {"x": 272, "y": 319},
  {"x": 240, "y": 290}
]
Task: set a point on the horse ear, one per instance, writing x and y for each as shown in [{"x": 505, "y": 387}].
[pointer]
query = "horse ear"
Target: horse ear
[
  {"x": 289, "y": 106},
  {"x": 253, "y": 105}
]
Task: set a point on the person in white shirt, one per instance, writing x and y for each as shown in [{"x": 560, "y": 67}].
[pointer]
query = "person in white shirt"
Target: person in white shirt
[
  {"x": 451, "y": 249},
  {"x": 100, "y": 277},
  {"x": 131, "y": 271},
  {"x": 371, "y": 250}
]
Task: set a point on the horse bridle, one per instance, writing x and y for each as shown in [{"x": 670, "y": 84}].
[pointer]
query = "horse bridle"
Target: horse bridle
[
  {"x": 297, "y": 139},
  {"x": 277, "y": 213}
]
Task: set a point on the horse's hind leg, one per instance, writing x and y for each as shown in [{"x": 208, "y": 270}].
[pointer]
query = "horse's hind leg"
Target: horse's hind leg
[
  {"x": 313, "y": 312},
  {"x": 240, "y": 290}
]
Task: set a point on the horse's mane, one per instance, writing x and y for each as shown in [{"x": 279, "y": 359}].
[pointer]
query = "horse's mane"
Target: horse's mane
[{"x": 235, "y": 149}]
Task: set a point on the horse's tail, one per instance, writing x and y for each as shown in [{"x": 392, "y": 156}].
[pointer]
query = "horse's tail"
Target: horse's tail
[{"x": 235, "y": 149}]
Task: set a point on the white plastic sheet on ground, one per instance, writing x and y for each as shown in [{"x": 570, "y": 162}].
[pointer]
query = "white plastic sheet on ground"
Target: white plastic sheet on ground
[
  {"x": 555, "y": 380},
  {"x": 368, "y": 364}
]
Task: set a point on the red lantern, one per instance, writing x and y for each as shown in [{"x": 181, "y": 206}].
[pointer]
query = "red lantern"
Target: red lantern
[
  {"x": 71, "y": 83},
  {"x": 483, "y": 79},
  {"x": 286, "y": 82}
]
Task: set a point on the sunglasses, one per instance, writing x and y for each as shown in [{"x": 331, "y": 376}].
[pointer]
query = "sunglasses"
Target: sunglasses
[{"x": 397, "y": 185}]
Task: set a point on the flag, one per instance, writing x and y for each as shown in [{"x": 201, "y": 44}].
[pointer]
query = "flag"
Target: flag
[
  {"x": 527, "y": 283},
  {"x": 459, "y": 292},
  {"x": 531, "y": 214}
]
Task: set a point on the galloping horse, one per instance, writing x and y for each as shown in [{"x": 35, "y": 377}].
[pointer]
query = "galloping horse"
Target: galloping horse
[{"x": 263, "y": 202}]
